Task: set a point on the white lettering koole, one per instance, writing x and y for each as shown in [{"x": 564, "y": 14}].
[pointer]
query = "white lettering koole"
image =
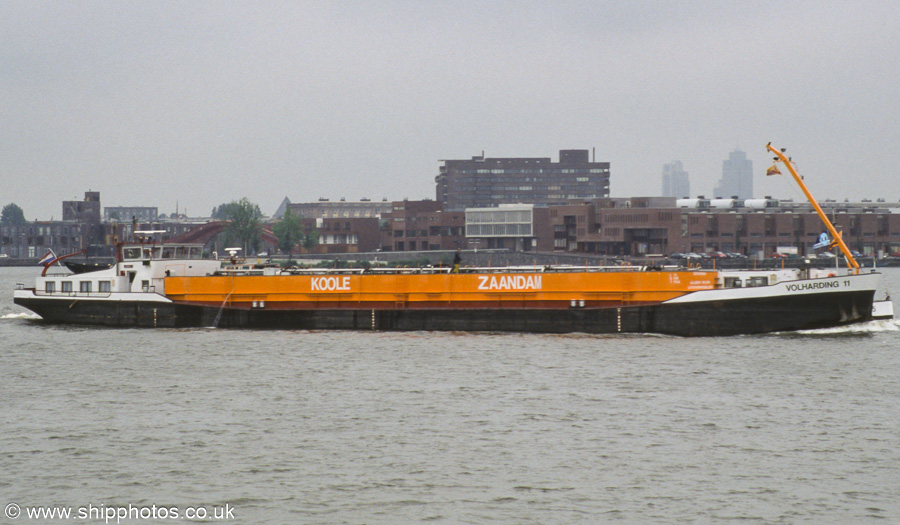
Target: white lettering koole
[
  {"x": 509, "y": 282},
  {"x": 330, "y": 284}
]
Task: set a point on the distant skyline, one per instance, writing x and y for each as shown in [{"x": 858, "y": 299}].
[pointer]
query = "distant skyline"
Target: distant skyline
[
  {"x": 676, "y": 182},
  {"x": 200, "y": 103},
  {"x": 737, "y": 177}
]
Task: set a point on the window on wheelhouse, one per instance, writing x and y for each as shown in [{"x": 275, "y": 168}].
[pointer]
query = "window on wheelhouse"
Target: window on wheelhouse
[
  {"x": 67, "y": 286},
  {"x": 105, "y": 286},
  {"x": 85, "y": 286},
  {"x": 732, "y": 282},
  {"x": 757, "y": 281},
  {"x": 50, "y": 286}
]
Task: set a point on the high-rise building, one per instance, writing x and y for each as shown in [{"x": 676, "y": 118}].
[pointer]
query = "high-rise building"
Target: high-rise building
[
  {"x": 675, "y": 181},
  {"x": 484, "y": 182},
  {"x": 737, "y": 177}
]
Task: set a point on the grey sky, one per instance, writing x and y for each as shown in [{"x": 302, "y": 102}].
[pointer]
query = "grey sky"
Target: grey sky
[{"x": 206, "y": 102}]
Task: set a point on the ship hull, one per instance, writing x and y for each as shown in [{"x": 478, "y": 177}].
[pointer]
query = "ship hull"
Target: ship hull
[
  {"x": 794, "y": 305},
  {"x": 751, "y": 316},
  {"x": 136, "y": 312},
  {"x": 698, "y": 319}
]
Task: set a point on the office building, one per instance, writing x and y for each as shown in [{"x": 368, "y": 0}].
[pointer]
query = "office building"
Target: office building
[
  {"x": 485, "y": 182},
  {"x": 737, "y": 177},
  {"x": 676, "y": 182}
]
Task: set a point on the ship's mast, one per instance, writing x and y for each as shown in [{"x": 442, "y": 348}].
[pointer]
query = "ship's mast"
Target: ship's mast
[{"x": 851, "y": 261}]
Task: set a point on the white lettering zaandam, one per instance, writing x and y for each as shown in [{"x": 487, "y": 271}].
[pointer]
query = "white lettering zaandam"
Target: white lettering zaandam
[
  {"x": 509, "y": 282},
  {"x": 330, "y": 284}
]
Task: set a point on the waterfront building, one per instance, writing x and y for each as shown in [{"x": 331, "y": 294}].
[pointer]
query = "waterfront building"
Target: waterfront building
[
  {"x": 485, "y": 182},
  {"x": 737, "y": 177},
  {"x": 344, "y": 235},
  {"x": 514, "y": 227},
  {"x": 675, "y": 181},
  {"x": 85, "y": 211},
  {"x": 34, "y": 239},
  {"x": 342, "y": 209},
  {"x": 129, "y": 213},
  {"x": 755, "y": 228},
  {"x": 421, "y": 225},
  {"x": 616, "y": 226}
]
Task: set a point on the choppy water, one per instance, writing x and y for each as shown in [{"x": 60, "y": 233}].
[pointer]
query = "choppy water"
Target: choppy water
[{"x": 343, "y": 427}]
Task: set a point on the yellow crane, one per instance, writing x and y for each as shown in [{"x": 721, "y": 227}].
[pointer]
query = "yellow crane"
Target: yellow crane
[{"x": 835, "y": 235}]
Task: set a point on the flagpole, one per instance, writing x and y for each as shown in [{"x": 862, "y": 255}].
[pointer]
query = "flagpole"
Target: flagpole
[
  {"x": 851, "y": 261},
  {"x": 58, "y": 259}
]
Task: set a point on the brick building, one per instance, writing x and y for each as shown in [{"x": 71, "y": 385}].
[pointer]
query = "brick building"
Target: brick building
[
  {"x": 420, "y": 226},
  {"x": 485, "y": 182},
  {"x": 35, "y": 239},
  {"x": 127, "y": 213},
  {"x": 345, "y": 235},
  {"x": 653, "y": 225}
]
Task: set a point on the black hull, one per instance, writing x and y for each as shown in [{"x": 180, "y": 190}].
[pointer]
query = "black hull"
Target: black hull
[
  {"x": 711, "y": 318},
  {"x": 103, "y": 313},
  {"x": 720, "y": 318}
]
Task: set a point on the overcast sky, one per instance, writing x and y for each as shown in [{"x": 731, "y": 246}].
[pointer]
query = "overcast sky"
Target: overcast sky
[{"x": 200, "y": 103}]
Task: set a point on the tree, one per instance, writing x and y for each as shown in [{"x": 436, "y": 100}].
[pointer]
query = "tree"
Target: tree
[
  {"x": 310, "y": 239},
  {"x": 12, "y": 214},
  {"x": 288, "y": 232},
  {"x": 244, "y": 218},
  {"x": 218, "y": 212}
]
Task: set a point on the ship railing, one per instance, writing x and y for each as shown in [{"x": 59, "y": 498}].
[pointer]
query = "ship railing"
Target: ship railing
[
  {"x": 417, "y": 270},
  {"x": 359, "y": 271},
  {"x": 74, "y": 294},
  {"x": 551, "y": 268},
  {"x": 241, "y": 271},
  {"x": 322, "y": 271},
  {"x": 567, "y": 268},
  {"x": 59, "y": 272},
  {"x": 465, "y": 269}
]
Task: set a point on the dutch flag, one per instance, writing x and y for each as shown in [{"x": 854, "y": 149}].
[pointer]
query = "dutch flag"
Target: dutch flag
[{"x": 48, "y": 259}]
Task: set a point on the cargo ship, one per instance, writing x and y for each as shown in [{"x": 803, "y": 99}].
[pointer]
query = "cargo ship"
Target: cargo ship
[
  {"x": 172, "y": 285},
  {"x": 169, "y": 286}
]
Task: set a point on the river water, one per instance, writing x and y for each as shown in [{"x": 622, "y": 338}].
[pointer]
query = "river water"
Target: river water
[{"x": 344, "y": 427}]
